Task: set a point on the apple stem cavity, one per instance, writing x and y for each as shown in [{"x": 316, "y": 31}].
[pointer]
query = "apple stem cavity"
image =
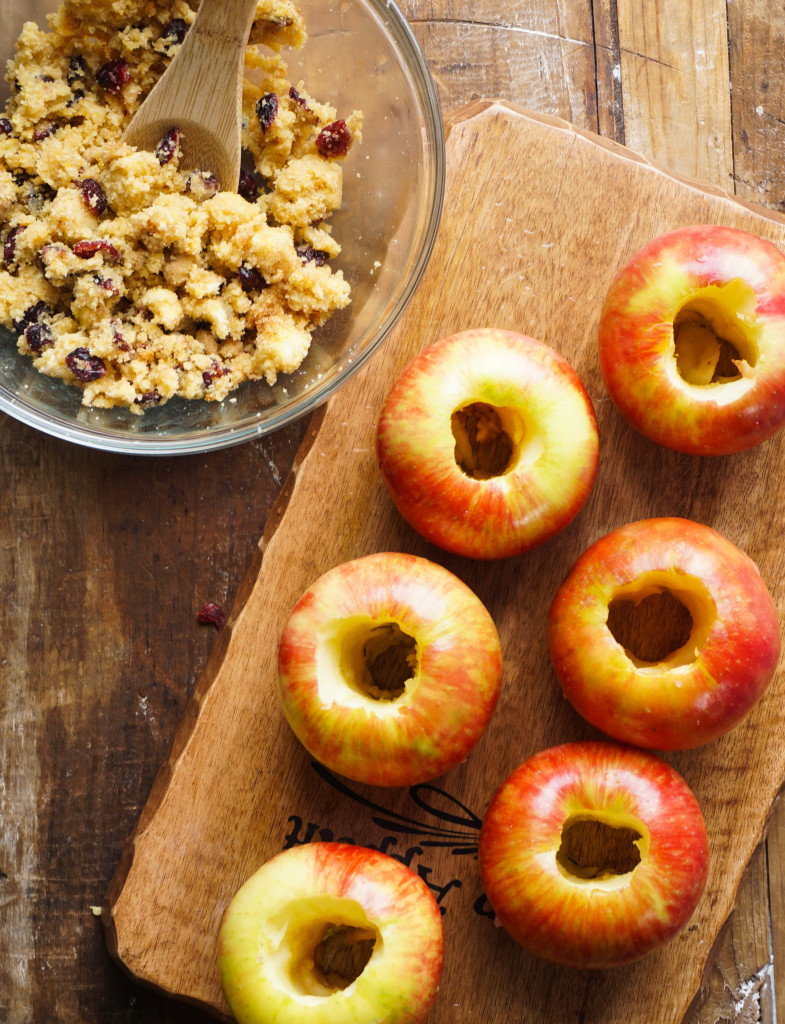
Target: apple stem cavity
[
  {"x": 661, "y": 618},
  {"x": 378, "y": 659},
  {"x": 484, "y": 447},
  {"x": 715, "y": 335},
  {"x": 595, "y": 850},
  {"x": 342, "y": 954}
]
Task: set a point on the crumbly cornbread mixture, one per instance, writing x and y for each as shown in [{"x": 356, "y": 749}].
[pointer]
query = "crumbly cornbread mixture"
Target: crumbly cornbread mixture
[{"x": 136, "y": 280}]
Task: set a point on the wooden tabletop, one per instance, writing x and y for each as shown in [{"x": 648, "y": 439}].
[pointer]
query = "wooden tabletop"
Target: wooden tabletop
[{"x": 106, "y": 560}]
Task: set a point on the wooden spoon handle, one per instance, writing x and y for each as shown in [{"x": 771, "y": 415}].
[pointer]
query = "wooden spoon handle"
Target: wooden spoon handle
[{"x": 201, "y": 93}]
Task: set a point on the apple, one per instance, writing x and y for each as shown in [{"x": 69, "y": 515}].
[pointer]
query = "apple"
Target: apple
[
  {"x": 692, "y": 340},
  {"x": 593, "y": 854},
  {"x": 677, "y": 698},
  {"x": 487, "y": 443},
  {"x": 330, "y": 933},
  {"x": 389, "y": 669}
]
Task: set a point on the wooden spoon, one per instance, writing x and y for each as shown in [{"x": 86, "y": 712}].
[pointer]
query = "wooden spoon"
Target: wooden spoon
[{"x": 200, "y": 93}]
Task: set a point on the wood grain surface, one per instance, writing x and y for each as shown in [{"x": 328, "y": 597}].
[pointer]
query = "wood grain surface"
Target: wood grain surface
[
  {"x": 238, "y": 787},
  {"x": 105, "y": 560}
]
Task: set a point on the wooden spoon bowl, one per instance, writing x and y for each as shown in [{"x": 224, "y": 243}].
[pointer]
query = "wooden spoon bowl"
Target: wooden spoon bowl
[{"x": 200, "y": 93}]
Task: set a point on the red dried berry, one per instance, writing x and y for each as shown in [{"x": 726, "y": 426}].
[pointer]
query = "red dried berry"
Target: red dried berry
[
  {"x": 266, "y": 110},
  {"x": 167, "y": 147},
  {"x": 334, "y": 139},
  {"x": 308, "y": 254},
  {"x": 90, "y": 246},
  {"x": 114, "y": 75},
  {"x": 31, "y": 316},
  {"x": 5, "y": 126},
  {"x": 118, "y": 338},
  {"x": 216, "y": 370},
  {"x": 9, "y": 248},
  {"x": 247, "y": 187},
  {"x": 202, "y": 182},
  {"x": 43, "y": 131},
  {"x": 38, "y": 335},
  {"x": 298, "y": 99},
  {"x": 175, "y": 31},
  {"x": 84, "y": 366},
  {"x": 212, "y": 614},
  {"x": 93, "y": 196},
  {"x": 107, "y": 284},
  {"x": 148, "y": 398},
  {"x": 250, "y": 278}
]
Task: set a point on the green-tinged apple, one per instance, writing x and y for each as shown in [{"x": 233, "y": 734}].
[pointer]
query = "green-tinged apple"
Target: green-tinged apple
[
  {"x": 330, "y": 933},
  {"x": 487, "y": 443},
  {"x": 389, "y": 669},
  {"x": 685, "y": 696},
  {"x": 692, "y": 340},
  {"x": 593, "y": 854}
]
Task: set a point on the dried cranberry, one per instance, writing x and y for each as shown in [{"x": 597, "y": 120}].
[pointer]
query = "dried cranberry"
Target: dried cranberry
[
  {"x": 266, "y": 110},
  {"x": 175, "y": 31},
  {"x": 77, "y": 70},
  {"x": 334, "y": 139},
  {"x": 212, "y": 614},
  {"x": 250, "y": 278},
  {"x": 298, "y": 99},
  {"x": 9, "y": 248},
  {"x": 118, "y": 338},
  {"x": 43, "y": 131},
  {"x": 37, "y": 335},
  {"x": 202, "y": 181},
  {"x": 114, "y": 75},
  {"x": 31, "y": 316},
  {"x": 216, "y": 370},
  {"x": 167, "y": 147},
  {"x": 107, "y": 284},
  {"x": 148, "y": 398},
  {"x": 84, "y": 366},
  {"x": 308, "y": 254},
  {"x": 5, "y": 126},
  {"x": 93, "y": 195},
  {"x": 247, "y": 187},
  {"x": 90, "y": 246}
]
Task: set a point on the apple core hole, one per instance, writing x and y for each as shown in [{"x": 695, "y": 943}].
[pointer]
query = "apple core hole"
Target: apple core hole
[
  {"x": 342, "y": 954},
  {"x": 714, "y": 335},
  {"x": 594, "y": 850},
  {"x": 379, "y": 660},
  {"x": 652, "y": 628},
  {"x": 485, "y": 442}
]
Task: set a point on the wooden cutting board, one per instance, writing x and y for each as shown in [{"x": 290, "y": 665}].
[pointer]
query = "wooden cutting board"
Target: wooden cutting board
[{"x": 538, "y": 217}]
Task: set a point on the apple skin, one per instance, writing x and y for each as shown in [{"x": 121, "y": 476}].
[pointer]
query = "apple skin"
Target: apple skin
[
  {"x": 636, "y": 340},
  {"x": 551, "y": 473},
  {"x": 687, "y": 699},
  {"x": 449, "y": 698},
  {"x": 605, "y": 921},
  {"x": 274, "y": 922}
]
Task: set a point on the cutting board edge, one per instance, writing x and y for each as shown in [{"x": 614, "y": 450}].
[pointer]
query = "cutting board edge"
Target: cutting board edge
[{"x": 486, "y": 107}]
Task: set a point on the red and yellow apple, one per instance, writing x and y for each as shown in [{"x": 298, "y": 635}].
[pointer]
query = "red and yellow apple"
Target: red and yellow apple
[
  {"x": 389, "y": 669},
  {"x": 593, "y": 854},
  {"x": 487, "y": 443},
  {"x": 692, "y": 340},
  {"x": 330, "y": 933},
  {"x": 686, "y": 696}
]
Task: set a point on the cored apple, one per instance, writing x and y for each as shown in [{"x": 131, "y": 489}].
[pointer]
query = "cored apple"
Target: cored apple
[
  {"x": 692, "y": 340},
  {"x": 389, "y": 669},
  {"x": 487, "y": 443},
  {"x": 330, "y": 933},
  {"x": 681, "y": 696},
  {"x": 593, "y": 854}
]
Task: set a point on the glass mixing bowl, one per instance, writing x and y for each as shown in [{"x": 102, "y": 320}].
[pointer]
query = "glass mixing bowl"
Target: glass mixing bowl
[{"x": 359, "y": 54}]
